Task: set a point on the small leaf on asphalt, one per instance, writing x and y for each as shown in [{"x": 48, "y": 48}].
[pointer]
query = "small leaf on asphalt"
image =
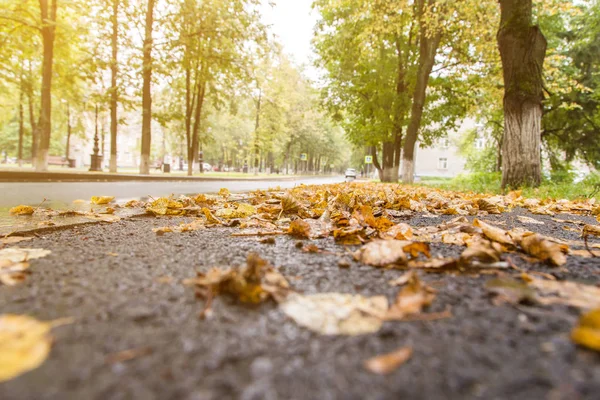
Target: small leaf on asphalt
[
  {"x": 411, "y": 299},
  {"x": 14, "y": 239},
  {"x": 574, "y": 294},
  {"x": 529, "y": 220},
  {"x": 299, "y": 228},
  {"x": 381, "y": 253},
  {"x": 224, "y": 193},
  {"x": 102, "y": 199},
  {"x": 587, "y": 331},
  {"x": 22, "y": 210},
  {"x": 386, "y": 363},
  {"x": 336, "y": 313},
  {"x": 494, "y": 233}
]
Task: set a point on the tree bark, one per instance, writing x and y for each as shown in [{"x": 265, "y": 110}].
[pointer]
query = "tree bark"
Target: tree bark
[
  {"x": 147, "y": 92},
  {"x": 256, "y": 126},
  {"x": 48, "y": 14},
  {"x": 21, "y": 123},
  {"x": 522, "y": 50},
  {"x": 428, "y": 45},
  {"x": 32, "y": 119},
  {"x": 114, "y": 94},
  {"x": 68, "y": 146},
  {"x": 193, "y": 153}
]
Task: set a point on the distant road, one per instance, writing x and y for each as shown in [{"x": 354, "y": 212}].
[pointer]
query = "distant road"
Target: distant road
[{"x": 62, "y": 193}]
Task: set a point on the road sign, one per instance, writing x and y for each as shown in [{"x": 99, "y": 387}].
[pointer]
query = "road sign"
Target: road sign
[
  {"x": 368, "y": 159},
  {"x": 303, "y": 157}
]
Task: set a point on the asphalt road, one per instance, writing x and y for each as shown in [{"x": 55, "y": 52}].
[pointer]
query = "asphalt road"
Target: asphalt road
[{"x": 63, "y": 193}]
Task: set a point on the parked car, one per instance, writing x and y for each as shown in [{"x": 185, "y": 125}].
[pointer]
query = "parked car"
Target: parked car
[
  {"x": 206, "y": 167},
  {"x": 350, "y": 173}
]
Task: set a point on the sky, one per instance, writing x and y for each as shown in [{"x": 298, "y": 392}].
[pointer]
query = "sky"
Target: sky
[{"x": 292, "y": 21}]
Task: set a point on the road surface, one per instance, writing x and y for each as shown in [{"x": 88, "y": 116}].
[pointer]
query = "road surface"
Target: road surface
[{"x": 60, "y": 194}]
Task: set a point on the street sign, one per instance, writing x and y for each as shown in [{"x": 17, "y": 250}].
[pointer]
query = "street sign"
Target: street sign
[
  {"x": 368, "y": 159},
  {"x": 303, "y": 157}
]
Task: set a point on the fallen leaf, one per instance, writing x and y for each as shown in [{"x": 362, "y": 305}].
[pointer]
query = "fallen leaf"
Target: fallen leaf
[
  {"x": 386, "y": 363},
  {"x": 161, "y": 231},
  {"x": 507, "y": 290},
  {"x": 22, "y": 210},
  {"x": 494, "y": 233},
  {"x": 399, "y": 231},
  {"x": 544, "y": 250},
  {"x": 336, "y": 313},
  {"x": 127, "y": 355},
  {"x": 481, "y": 252},
  {"x": 411, "y": 299},
  {"x": 381, "y": 253},
  {"x": 299, "y": 228},
  {"x": 529, "y": 220},
  {"x": 102, "y": 199},
  {"x": 14, "y": 239},
  {"x": 225, "y": 193},
  {"x": 210, "y": 218},
  {"x": 240, "y": 210},
  {"x": 403, "y": 279},
  {"x": 587, "y": 331},
  {"x": 566, "y": 292},
  {"x": 165, "y": 206},
  {"x": 255, "y": 283},
  {"x": 17, "y": 255},
  {"x": 24, "y": 344}
]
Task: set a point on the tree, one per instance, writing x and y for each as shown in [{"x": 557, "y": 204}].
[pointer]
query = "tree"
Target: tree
[
  {"x": 114, "y": 90},
  {"x": 48, "y": 29},
  {"x": 147, "y": 92},
  {"x": 522, "y": 50}
]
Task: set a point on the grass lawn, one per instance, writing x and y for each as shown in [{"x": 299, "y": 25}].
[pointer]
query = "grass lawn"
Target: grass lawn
[{"x": 490, "y": 183}]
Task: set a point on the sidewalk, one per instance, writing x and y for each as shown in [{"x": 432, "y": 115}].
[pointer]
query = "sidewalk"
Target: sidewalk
[{"x": 7, "y": 175}]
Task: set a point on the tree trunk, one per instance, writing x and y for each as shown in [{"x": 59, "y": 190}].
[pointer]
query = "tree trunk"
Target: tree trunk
[
  {"x": 428, "y": 45},
  {"x": 68, "y": 146},
  {"x": 147, "y": 92},
  {"x": 522, "y": 49},
  {"x": 21, "y": 124},
  {"x": 48, "y": 15},
  {"x": 32, "y": 119},
  {"x": 256, "y": 126},
  {"x": 114, "y": 95}
]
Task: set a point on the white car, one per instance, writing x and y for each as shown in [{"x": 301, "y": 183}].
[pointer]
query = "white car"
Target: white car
[
  {"x": 206, "y": 167},
  {"x": 350, "y": 173}
]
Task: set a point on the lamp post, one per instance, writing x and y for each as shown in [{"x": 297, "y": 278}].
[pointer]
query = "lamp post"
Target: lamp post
[{"x": 96, "y": 159}]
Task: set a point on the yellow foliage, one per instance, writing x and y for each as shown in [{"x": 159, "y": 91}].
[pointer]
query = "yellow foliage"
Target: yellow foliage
[
  {"x": 22, "y": 210},
  {"x": 102, "y": 199}
]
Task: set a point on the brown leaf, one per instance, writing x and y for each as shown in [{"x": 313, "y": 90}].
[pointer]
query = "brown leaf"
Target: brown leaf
[
  {"x": 380, "y": 253},
  {"x": 399, "y": 231},
  {"x": 386, "y": 363},
  {"x": 566, "y": 292},
  {"x": 14, "y": 239},
  {"x": 544, "y": 250},
  {"x": 494, "y": 233},
  {"x": 299, "y": 228},
  {"x": 22, "y": 210},
  {"x": 411, "y": 299}
]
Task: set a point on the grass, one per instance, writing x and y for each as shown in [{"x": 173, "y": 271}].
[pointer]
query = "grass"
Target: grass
[{"x": 560, "y": 188}]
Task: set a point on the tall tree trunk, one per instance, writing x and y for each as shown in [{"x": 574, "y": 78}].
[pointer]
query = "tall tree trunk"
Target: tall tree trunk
[
  {"x": 256, "y": 126},
  {"x": 32, "y": 119},
  {"x": 114, "y": 93},
  {"x": 428, "y": 45},
  {"x": 68, "y": 146},
  {"x": 147, "y": 92},
  {"x": 195, "y": 145},
  {"x": 48, "y": 15},
  {"x": 522, "y": 49},
  {"x": 21, "y": 123}
]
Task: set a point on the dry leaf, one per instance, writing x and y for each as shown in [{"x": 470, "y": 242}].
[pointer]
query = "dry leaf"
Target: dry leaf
[
  {"x": 544, "y": 250},
  {"x": 24, "y": 344},
  {"x": 494, "y": 233},
  {"x": 336, "y": 313},
  {"x": 299, "y": 228},
  {"x": 587, "y": 331},
  {"x": 17, "y": 255},
  {"x": 386, "y": 363},
  {"x": 411, "y": 299},
  {"x": 381, "y": 253},
  {"x": 403, "y": 279},
  {"x": 507, "y": 290},
  {"x": 529, "y": 220},
  {"x": 241, "y": 210},
  {"x": 566, "y": 292},
  {"x": 225, "y": 193},
  {"x": 22, "y": 210},
  {"x": 480, "y": 253},
  {"x": 165, "y": 206},
  {"x": 399, "y": 231},
  {"x": 102, "y": 199},
  {"x": 161, "y": 231},
  {"x": 14, "y": 239}
]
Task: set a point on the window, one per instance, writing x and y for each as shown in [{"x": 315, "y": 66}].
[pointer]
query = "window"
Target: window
[
  {"x": 445, "y": 143},
  {"x": 443, "y": 163},
  {"x": 479, "y": 143}
]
